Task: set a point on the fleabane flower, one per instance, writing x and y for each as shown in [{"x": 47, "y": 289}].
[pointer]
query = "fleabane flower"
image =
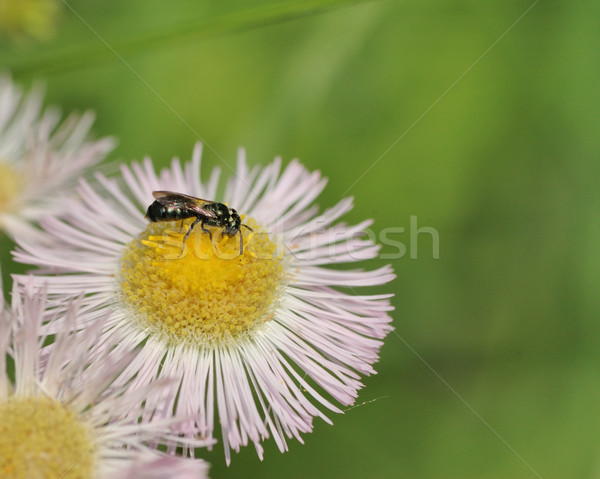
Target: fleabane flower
[
  {"x": 55, "y": 423},
  {"x": 28, "y": 19},
  {"x": 40, "y": 157},
  {"x": 263, "y": 341}
]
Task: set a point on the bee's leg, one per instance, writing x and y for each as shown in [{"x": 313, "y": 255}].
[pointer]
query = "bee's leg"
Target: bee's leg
[
  {"x": 205, "y": 230},
  {"x": 181, "y": 225},
  {"x": 196, "y": 221},
  {"x": 242, "y": 238}
]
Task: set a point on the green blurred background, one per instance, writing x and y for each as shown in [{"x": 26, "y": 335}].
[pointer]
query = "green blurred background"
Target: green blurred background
[{"x": 499, "y": 153}]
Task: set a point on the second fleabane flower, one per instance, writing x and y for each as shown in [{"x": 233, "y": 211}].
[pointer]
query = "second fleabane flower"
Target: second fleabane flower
[
  {"x": 61, "y": 417},
  {"x": 262, "y": 341},
  {"x": 41, "y": 157}
]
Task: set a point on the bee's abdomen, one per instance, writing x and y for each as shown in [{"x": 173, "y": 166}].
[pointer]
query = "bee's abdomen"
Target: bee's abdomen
[{"x": 157, "y": 212}]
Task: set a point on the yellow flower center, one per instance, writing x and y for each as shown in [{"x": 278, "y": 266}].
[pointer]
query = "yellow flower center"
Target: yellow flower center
[
  {"x": 11, "y": 183},
  {"x": 39, "y": 437},
  {"x": 206, "y": 294}
]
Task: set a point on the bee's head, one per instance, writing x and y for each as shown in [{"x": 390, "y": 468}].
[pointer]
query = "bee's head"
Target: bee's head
[{"x": 233, "y": 224}]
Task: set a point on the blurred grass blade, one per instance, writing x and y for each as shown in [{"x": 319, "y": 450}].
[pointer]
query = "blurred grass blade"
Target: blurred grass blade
[{"x": 77, "y": 57}]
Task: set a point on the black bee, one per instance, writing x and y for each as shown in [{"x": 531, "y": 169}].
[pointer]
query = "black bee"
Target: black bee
[{"x": 171, "y": 206}]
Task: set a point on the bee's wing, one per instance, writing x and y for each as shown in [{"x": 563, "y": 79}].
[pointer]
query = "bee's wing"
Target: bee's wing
[
  {"x": 179, "y": 200},
  {"x": 167, "y": 196}
]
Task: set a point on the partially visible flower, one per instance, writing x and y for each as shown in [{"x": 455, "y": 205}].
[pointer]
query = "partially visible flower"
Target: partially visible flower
[
  {"x": 40, "y": 157},
  {"x": 53, "y": 423},
  {"x": 261, "y": 341},
  {"x": 24, "y": 19},
  {"x": 148, "y": 466}
]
